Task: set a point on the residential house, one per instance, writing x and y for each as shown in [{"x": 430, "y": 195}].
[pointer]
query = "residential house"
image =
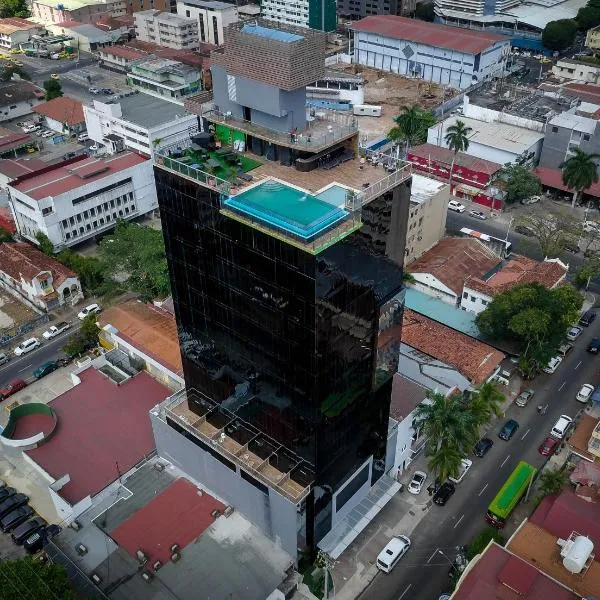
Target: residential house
[
  {"x": 15, "y": 31},
  {"x": 592, "y": 38},
  {"x": 478, "y": 292},
  {"x": 584, "y": 441},
  {"x": 63, "y": 115},
  {"x": 18, "y": 98},
  {"x": 119, "y": 58},
  {"x": 167, "y": 29},
  {"x": 442, "y": 271},
  {"x": 40, "y": 280},
  {"x": 85, "y": 37},
  {"x": 571, "y": 69}
]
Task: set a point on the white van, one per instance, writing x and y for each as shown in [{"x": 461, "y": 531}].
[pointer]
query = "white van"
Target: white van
[
  {"x": 367, "y": 110},
  {"x": 83, "y": 137},
  {"x": 396, "y": 548},
  {"x": 561, "y": 426}
]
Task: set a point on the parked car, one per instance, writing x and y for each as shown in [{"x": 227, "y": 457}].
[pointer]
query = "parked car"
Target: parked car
[
  {"x": 56, "y": 330},
  {"x": 93, "y": 90},
  {"x": 508, "y": 430},
  {"x": 95, "y": 147},
  {"x": 16, "y": 517},
  {"x": 531, "y": 200},
  {"x": 561, "y": 426},
  {"x": 573, "y": 333},
  {"x": 45, "y": 369},
  {"x": 83, "y": 137},
  {"x": 444, "y": 493},
  {"x": 465, "y": 465},
  {"x": 69, "y": 155},
  {"x": 107, "y": 91},
  {"x": 5, "y": 492},
  {"x": 524, "y": 230},
  {"x": 456, "y": 206},
  {"x": 27, "y": 346},
  {"x": 524, "y": 397},
  {"x": 482, "y": 447},
  {"x": 48, "y": 134},
  {"x": 25, "y": 530},
  {"x": 591, "y": 227},
  {"x": 12, "y": 502},
  {"x": 565, "y": 349},
  {"x": 12, "y": 388},
  {"x": 585, "y": 393},
  {"x": 36, "y": 541},
  {"x": 395, "y": 549},
  {"x": 88, "y": 310},
  {"x": 552, "y": 365},
  {"x": 477, "y": 214},
  {"x": 416, "y": 484},
  {"x": 54, "y": 76},
  {"x": 587, "y": 318},
  {"x": 548, "y": 446},
  {"x": 4, "y": 358}
]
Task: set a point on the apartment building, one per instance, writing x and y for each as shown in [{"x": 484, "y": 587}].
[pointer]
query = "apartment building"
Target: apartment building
[
  {"x": 316, "y": 14},
  {"x": 576, "y": 70},
  {"x": 212, "y": 17},
  {"x": 166, "y": 29},
  {"x": 77, "y": 199},
  {"x": 364, "y": 8}
]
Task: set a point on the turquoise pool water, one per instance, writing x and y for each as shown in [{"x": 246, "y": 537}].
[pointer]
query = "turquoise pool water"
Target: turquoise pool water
[
  {"x": 287, "y": 208},
  {"x": 334, "y": 194}
]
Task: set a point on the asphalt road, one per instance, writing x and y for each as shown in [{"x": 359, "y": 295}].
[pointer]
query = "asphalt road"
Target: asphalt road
[
  {"x": 423, "y": 573},
  {"x": 21, "y": 367}
]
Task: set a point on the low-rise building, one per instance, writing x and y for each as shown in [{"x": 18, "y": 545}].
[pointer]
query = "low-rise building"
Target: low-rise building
[
  {"x": 592, "y": 38},
  {"x": 15, "y": 31},
  {"x": 140, "y": 120},
  {"x": 212, "y": 16},
  {"x": 584, "y": 441},
  {"x": 18, "y": 98},
  {"x": 119, "y": 58},
  {"x": 569, "y": 69},
  {"x": 48, "y": 12},
  {"x": 439, "y": 53},
  {"x": 38, "y": 279},
  {"x": 63, "y": 115},
  {"x": 77, "y": 199},
  {"x": 166, "y": 29},
  {"x": 427, "y": 215},
  {"x": 478, "y": 292},
  {"x": 164, "y": 78},
  {"x": 85, "y": 36},
  {"x": 13, "y": 143}
]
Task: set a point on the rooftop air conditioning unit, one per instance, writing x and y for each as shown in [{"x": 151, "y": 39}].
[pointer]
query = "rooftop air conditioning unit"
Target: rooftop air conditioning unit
[
  {"x": 147, "y": 576},
  {"x": 159, "y": 466},
  {"x": 157, "y": 565},
  {"x": 76, "y": 525},
  {"x": 81, "y": 550},
  {"x": 96, "y": 578},
  {"x": 228, "y": 510},
  {"x": 142, "y": 558},
  {"x": 174, "y": 548},
  {"x": 175, "y": 556}
]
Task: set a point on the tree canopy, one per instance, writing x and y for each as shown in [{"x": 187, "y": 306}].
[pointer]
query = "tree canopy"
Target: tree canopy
[
  {"x": 85, "y": 338},
  {"x": 53, "y": 89},
  {"x": 554, "y": 230},
  {"x": 519, "y": 182},
  {"x": 534, "y": 318},
  {"x": 457, "y": 137},
  {"x": 588, "y": 16},
  {"x": 412, "y": 125},
  {"x": 9, "y": 70},
  {"x": 28, "y": 578},
  {"x": 557, "y": 35},
  {"x": 14, "y": 8},
  {"x": 580, "y": 171}
]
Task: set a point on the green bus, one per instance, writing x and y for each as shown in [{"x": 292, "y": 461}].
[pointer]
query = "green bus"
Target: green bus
[{"x": 509, "y": 495}]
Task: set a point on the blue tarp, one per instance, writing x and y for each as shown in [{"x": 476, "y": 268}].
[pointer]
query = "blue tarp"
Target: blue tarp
[{"x": 272, "y": 34}]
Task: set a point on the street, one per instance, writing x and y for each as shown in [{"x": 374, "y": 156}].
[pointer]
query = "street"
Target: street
[
  {"x": 423, "y": 573},
  {"x": 21, "y": 367}
]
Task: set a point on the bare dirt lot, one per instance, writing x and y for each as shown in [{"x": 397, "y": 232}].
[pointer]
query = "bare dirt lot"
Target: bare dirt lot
[{"x": 13, "y": 313}]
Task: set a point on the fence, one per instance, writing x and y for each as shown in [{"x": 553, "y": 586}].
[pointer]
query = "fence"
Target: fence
[{"x": 11, "y": 334}]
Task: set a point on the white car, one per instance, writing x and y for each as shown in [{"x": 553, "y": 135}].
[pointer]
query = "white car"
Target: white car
[
  {"x": 573, "y": 333},
  {"x": 56, "y": 330},
  {"x": 585, "y": 393},
  {"x": 89, "y": 310},
  {"x": 416, "y": 484},
  {"x": 456, "y": 206},
  {"x": 48, "y": 134},
  {"x": 95, "y": 147},
  {"x": 396, "y": 548},
  {"x": 465, "y": 465},
  {"x": 531, "y": 200},
  {"x": 27, "y": 346},
  {"x": 552, "y": 365},
  {"x": 561, "y": 426},
  {"x": 94, "y": 90}
]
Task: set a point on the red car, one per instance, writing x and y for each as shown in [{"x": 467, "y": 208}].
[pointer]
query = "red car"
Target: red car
[
  {"x": 548, "y": 446},
  {"x": 12, "y": 388}
]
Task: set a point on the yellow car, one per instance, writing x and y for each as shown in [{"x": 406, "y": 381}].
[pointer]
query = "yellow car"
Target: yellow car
[
  {"x": 545, "y": 60},
  {"x": 55, "y": 76},
  {"x": 16, "y": 51}
]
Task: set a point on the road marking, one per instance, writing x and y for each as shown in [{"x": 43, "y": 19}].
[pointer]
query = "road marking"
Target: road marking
[
  {"x": 525, "y": 434},
  {"x": 458, "y": 522},
  {"x": 562, "y": 386},
  {"x": 405, "y": 591},
  {"x": 25, "y": 367},
  {"x": 483, "y": 489},
  {"x": 504, "y": 462},
  {"x": 578, "y": 365},
  {"x": 434, "y": 553}
]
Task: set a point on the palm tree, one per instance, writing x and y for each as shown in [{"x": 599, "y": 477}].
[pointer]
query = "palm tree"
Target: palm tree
[
  {"x": 458, "y": 141},
  {"x": 579, "y": 172},
  {"x": 551, "y": 482},
  {"x": 411, "y": 125},
  {"x": 485, "y": 403}
]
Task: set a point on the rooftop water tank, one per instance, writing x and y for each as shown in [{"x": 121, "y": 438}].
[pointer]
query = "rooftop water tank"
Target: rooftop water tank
[{"x": 577, "y": 554}]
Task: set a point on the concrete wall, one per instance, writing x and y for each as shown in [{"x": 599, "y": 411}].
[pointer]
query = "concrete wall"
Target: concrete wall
[
  {"x": 474, "y": 301},
  {"x": 558, "y": 140},
  {"x": 272, "y": 513},
  {"x": 20, "y": 109},
  {"x": 403, "y": 444},
  {"x": 432, "y": 286}
]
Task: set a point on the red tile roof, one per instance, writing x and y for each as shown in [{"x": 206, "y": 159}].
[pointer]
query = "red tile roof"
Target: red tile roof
[
  {"x": 452, "y": 260},
  {"x": 18, "y": 259},
  {"x": 64, "y": 178},
  {"x": 473, "y": 359},
  {"x": 553, "y": 178},
  {"x": 12, "y": 139},
  {"x": 103, "y": 430},
  {"x": 12, "y": 24},
  {"x": 12, "y": 92},
  {"x": 13, "y": 168},
  {"x": 406, "y": 396},
  {"x": 431, "y": 34},
  {"x": 64, "y": 110},
  {"x": 445, "y": 156},
  {"x": 128, "y": 53},
  {"x": 520, "y": 270}
]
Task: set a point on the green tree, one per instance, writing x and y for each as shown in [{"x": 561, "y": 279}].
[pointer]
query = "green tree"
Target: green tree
[
  {"x": 46, "y": 246},
  {"x": 425, "y": 11},
  {"x": 457, "y": 138},
  {"x": 590, "y": 269},
  {"x": 14, "y": 8},
  {"x": 411, "y": 125},
  {"x": 519, "y": 182},
  {"x": 28, "y": 578},
  {"x": 552, "y": 481},
  {"x": 479, "y": 543},
  {"x": 53, "y": 89},
  {"x": 136, "y": 254},
  {"x": 553, "y": 230},
  {"x": 5, "y": 236},
  {"x": 579, "y": 172},
  {"x": 485, "y": 403},
  {"x": 85, "y": 338},
  {"x": 9, "y": 70},
  {"x": 557, "y": 35},
  {"x": 534, "y": 319},
  {"x": 588, "y": 17}
]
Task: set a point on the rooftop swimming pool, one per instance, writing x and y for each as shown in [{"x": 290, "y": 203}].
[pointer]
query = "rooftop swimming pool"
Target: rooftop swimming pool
[{"x": 287, "y": 208}]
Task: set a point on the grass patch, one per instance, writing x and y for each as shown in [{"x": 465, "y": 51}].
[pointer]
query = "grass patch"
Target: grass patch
[
  {"x": 226, "y": 169},
  {"x": 314, "y": 579}
]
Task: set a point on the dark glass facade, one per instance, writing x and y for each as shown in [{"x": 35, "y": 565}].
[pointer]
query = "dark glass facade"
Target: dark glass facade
[{"x": 301, "y": 346}]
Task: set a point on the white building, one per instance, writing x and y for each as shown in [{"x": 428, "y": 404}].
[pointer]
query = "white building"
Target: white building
[
  {"x": 337, "y": 86},
  {"x": 78, "y": 199},
  {"x": 166, "y": 29},
  {"x": 48, "y": 12},
  {"x": 140, "y": 120},
  {"x": 15, "y": 31},
  {"x": 567, "y": 69},
  {"x": 212, "y": 17},
  {"x": 439, "y": 53},
  {"x": 17, "y": 99}
]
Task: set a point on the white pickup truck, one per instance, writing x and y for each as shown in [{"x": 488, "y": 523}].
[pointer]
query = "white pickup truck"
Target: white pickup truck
[{"x": 465, "y": 465}]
